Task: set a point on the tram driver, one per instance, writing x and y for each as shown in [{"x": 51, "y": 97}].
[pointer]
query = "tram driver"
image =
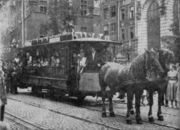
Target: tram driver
[{"x": 93, "y": 60}]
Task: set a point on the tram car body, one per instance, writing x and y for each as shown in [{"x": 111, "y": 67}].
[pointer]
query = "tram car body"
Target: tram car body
[{"x": 53, "y": 67}]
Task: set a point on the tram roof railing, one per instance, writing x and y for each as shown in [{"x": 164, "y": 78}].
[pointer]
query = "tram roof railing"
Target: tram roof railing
[{"x": 75, "y": 36}]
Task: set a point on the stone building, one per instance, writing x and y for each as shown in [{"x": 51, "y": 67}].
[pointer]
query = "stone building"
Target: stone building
[
  {"x": 88, "y": 15},
  {"x": 109, "y": 13},
  {"x": 140, "y": 24},
  {"x": 35, "y": 16},
  {"x": 118, "y": 21},
  {"x": 155, "y": 23}
]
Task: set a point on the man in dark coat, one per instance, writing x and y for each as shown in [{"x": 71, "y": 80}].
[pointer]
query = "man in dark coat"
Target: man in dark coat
[
  {"x": 3, "y": 97},
  {"x": 94, "y": 61}
]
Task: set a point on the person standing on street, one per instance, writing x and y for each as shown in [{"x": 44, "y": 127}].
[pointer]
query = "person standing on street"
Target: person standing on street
[
  {"x": 178, "y": 87},
  {"x": 2, "y": 94},
  {"x": 172, "y": 86}
]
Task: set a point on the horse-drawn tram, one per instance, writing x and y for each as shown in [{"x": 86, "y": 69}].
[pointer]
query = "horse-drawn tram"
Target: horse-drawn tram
[
  {"x": 65, "y": 64},
  {"x": 80, "y": 66}
]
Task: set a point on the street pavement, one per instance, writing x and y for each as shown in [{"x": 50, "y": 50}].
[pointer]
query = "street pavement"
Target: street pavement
[{"x": 65, "y": 114}]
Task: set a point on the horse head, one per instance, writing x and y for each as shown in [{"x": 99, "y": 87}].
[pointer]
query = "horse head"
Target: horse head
[
  {"x": 165, "y": 58},
  {"x": 152, "y": 62}
]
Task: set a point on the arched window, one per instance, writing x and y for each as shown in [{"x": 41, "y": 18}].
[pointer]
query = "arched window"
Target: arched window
[{"x": 153, "y": 22}]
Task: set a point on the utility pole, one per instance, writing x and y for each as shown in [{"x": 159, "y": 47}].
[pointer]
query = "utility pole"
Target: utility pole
[{"x": 23, "y": 23}]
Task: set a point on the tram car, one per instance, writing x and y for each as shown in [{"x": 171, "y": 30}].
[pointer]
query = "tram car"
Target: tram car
[{"x": 66, "y": 64}]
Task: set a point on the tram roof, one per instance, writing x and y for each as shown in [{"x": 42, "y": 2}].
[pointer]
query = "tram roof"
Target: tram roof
[{"x": 80, "y": 40}]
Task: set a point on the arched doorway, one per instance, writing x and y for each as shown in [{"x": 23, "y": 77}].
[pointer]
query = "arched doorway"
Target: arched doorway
[{"x": 153, "y": 25}]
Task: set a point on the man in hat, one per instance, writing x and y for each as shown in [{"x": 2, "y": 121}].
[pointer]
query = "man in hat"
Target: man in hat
[{"x": 93, "y": 60}]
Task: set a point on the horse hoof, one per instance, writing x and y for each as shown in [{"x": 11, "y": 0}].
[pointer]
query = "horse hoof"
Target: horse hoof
[
  {"x": 132, "y": 112},
  {"x": 138, "y": 121},
  {"x": 151, "y": 119},
  {"x": 160, "y": 118},
  {"x": 104, "y": 114},
  {"x": 129, "y": 122},
  {"x": 111, "y": 114}
]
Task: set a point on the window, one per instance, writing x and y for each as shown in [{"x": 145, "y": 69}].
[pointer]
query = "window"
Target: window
[
  {"x": 43, "y": 9},
  {"x": 105, "y": 13},
  {"x": 83, "y": 12},
  {"x": 113, "y": 27},
  {"x": 43, "y": 2},
  {"x": 123, "y": 34},
  {"x": 83, "y": 1},
  {"x": 83, "y": 29},
  {"x": 131, "y": 13},
  {"x": 113, "y": 11},
  {"x": 83, "y": 7},
  {"x": 132, "y": 32},
  {"x": 106, "y": 32},
  {"x": 123, "y": 14},
  {"x": 123, "y": 2},
  {"x": 33, "y": 2}
]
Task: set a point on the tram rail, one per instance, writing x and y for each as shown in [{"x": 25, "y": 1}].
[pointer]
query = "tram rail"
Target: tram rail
[{"x": 26, "y": 124}]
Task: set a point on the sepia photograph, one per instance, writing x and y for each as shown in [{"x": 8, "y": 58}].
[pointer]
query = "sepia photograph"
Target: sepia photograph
[{"x": 89, "y": 64}]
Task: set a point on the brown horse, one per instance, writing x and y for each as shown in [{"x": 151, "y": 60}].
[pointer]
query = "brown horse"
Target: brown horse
[
  {"x": 165, "y": 58},
  {"x": 114, "y": 77}
]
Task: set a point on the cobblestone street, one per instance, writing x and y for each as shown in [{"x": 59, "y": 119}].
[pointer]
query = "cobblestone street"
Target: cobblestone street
[{"x": 53, "y": 115}]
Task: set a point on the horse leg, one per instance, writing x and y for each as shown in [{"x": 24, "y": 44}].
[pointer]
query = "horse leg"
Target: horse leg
[
  {"x": 129, "y": 106},
  {"x": 150, "y": 116},
  {"x": 111, "y": 111},
  {"x": 138, "y": 95},
  {"x": 160, "y": 99},
  {"x": 103, "y": 105}
]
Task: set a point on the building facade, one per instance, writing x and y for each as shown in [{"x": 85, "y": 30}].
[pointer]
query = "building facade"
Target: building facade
[
  {"x": 109, "y": 13},
  {"x": 155, "y": 23},
  {"x": 140, "y": 24},
  {"x": 88, "y": 16},
  {"x": 118, "y": 18},
  {"x": 35, "y": 16}
]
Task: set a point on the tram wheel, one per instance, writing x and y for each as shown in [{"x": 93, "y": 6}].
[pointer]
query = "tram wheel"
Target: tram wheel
[
  {"x": 34, "y": 90},
  {"x": 80, "y": 98}
]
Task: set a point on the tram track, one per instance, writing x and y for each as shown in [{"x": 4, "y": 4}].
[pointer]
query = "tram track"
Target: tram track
[
  {"x": 22, "y": 122},
  {"x": 67, "y": 115},
  {"x": 87, "y": 120},
  {"x": 148, "y": 107}
]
